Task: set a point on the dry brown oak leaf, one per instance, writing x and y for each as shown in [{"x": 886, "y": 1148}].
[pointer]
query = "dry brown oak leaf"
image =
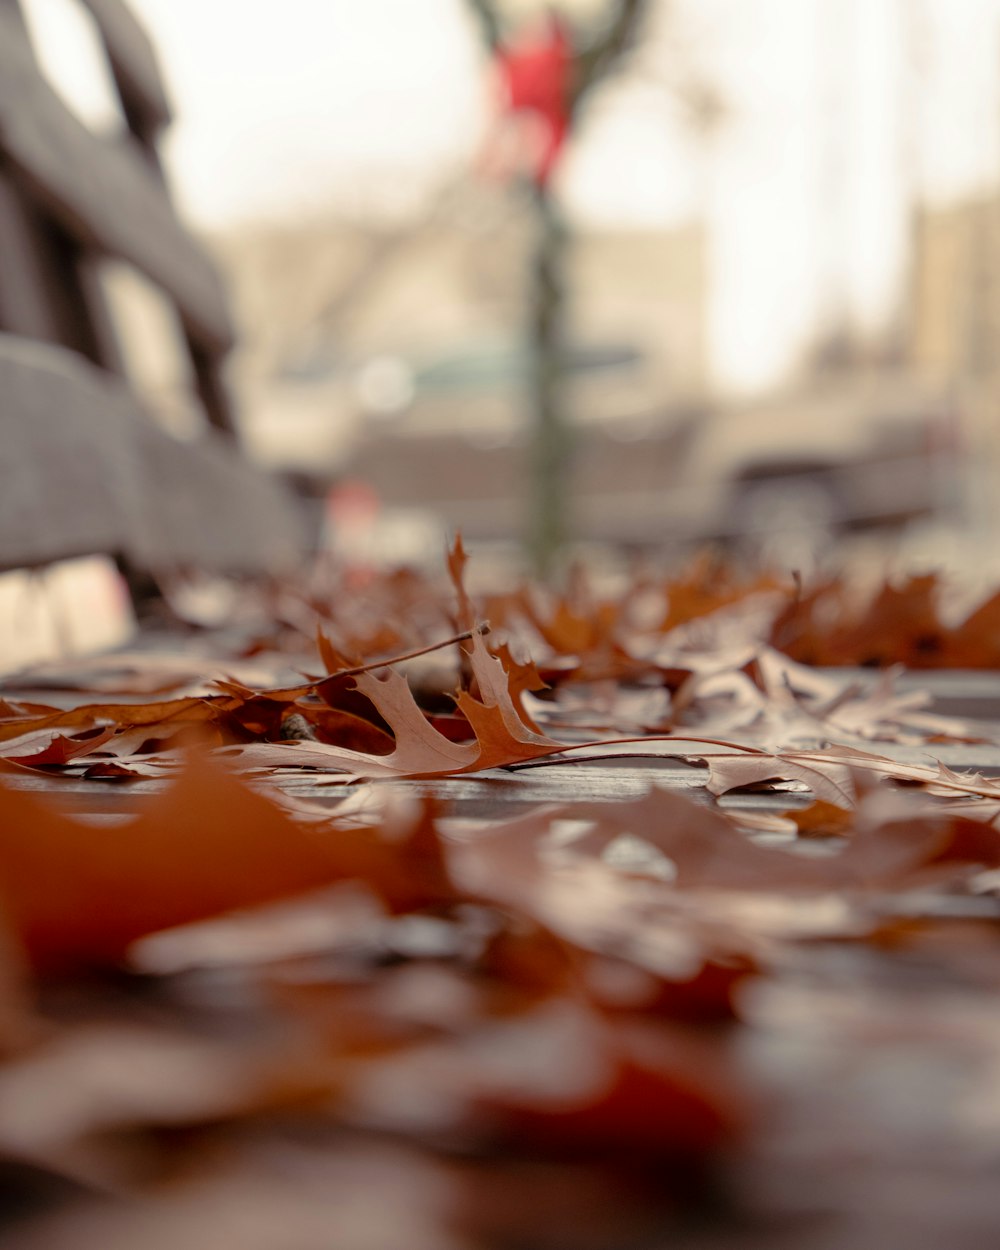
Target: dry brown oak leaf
[{"x": 501, "y": 734}]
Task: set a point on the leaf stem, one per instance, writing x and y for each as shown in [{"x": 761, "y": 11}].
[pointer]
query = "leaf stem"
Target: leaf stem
[
  {"x": 482, "y": 628},
  {"x": 738, "y": 748}
]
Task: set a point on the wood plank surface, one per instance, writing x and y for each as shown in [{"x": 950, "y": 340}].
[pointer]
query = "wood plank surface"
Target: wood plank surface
[
  {"x": 498, "y": 794},
  {"x": 868, "y": 1066},
  {"x": 103, "y": 191}
]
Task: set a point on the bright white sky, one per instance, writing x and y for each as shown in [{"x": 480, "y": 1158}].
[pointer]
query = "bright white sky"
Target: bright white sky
[{"x": 836, "y": 106}]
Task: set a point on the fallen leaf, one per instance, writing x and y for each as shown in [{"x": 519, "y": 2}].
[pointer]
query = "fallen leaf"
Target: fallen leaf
[
  {"x": 61, "y": 750},
  {"x": 77, "y": 894},
  {"x": 828, "y": 779}
]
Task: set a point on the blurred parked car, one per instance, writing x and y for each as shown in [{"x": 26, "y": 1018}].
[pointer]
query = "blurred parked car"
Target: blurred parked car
[
  {"x": 840, "y": 453},
  {"x": 819, "y": 458},
  {"x": 477, "y": 388},
  {"x": 447, "y": 432},
  {"x": 312, "y": 412},
  {"x": 456, "y": 439}
]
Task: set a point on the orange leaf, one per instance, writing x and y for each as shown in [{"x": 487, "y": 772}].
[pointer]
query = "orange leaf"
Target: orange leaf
[
  {"x": 502, "y": 734},
  {"x": 62, "y": 750},
  {"x": 457, "y": 560},
  {"x": 502, "y": 737},
  {"x": 77, "y": 894}
]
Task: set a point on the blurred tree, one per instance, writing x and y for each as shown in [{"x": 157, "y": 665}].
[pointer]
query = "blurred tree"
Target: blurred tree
[{"x": 545, "y": 73}]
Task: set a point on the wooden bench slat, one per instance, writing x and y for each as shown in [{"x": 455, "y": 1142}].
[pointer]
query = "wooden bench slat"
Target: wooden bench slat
[
  {"x": 133, "y": 61},
  {"x": 103, "y": 191},
  {"x": 214, "y": 510},
  {"x": 29, "y": 289},
  {"x": 85, "y": 470}
]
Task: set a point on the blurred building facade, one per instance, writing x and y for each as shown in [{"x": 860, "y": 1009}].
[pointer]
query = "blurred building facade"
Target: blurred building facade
[
  {"x": 955, "y": 333},
  {"x": 956, "y": 289},
  {"x": 354, "y": 291}
]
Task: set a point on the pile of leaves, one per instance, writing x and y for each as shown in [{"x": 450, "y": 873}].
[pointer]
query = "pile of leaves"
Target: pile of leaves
[
  {"x": 906, "y": 623},
  {"x": 293, "y": 955}
]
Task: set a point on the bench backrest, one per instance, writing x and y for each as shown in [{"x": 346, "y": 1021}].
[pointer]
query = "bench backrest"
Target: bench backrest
[{"x": 72, "y": 427}]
